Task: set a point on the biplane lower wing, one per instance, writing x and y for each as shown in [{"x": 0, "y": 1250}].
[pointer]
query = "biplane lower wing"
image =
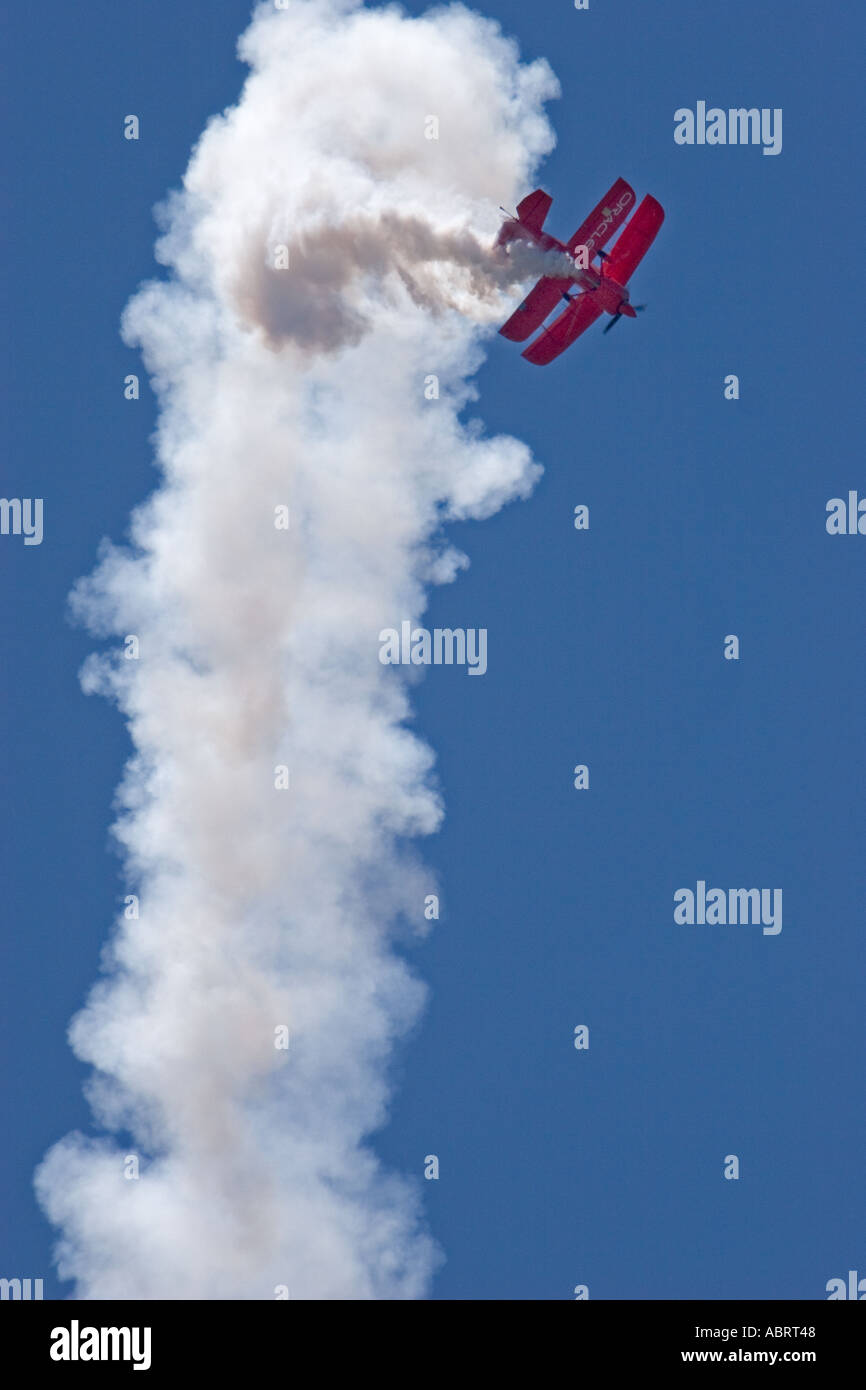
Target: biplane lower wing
[
  {"x": 540, "y": 302},
  {"x": 582, "y": 312},
  {"x": 637, "y": 238}
]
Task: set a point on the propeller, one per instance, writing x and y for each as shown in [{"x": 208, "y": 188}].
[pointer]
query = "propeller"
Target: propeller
[{"x": 638, "y": 308}]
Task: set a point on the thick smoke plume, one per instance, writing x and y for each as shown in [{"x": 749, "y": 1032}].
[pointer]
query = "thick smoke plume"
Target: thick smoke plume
[
  {"x": 259, "y": 906},
  {"x": 317, "y": 305}
]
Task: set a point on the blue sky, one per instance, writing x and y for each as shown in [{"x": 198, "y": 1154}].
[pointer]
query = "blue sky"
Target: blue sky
[{"x": 604, "y": 648}]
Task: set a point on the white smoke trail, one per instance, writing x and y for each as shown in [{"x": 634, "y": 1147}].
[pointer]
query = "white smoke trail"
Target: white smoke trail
[
  {"x": 258, "y": 647},
  {"x": 439, "y": 269}
]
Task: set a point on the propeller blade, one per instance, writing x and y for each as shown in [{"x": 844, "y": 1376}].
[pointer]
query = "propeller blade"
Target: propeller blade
[{"x": 609, "y": 326}]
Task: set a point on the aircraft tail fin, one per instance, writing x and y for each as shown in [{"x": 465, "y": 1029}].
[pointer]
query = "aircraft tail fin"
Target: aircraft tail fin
[{"x": 533, "y": 209}]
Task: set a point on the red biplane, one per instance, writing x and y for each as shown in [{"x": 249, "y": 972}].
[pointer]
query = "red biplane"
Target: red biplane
[{"x": 602, "y": 288}]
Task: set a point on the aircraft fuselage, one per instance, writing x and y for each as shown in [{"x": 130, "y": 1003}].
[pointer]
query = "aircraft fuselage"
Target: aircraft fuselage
[{"x": 611, "y": 297}]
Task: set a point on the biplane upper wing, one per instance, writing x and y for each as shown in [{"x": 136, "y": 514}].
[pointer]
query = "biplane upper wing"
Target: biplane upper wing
[
  {"x": 604, "y": 219},
  {"x": 574, "y": 320},
  {"x": 529, "y": 315},
  {"x": 628, "y": 252}
]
